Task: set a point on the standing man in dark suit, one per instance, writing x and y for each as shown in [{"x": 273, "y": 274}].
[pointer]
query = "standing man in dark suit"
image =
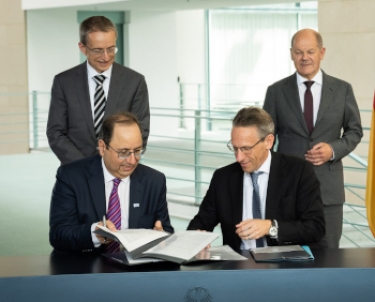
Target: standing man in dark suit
[
  {"x": 265, "y": 198},
  {"x": 86, "y": 94},
  {"x": 310, "y": 109},
  {"x": 131, "y": 195}
]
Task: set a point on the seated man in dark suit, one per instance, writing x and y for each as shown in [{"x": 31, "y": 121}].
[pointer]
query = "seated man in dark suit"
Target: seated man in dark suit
[
  {"x": 265, "y": 198},
  {"x": 114, "y": 184}
]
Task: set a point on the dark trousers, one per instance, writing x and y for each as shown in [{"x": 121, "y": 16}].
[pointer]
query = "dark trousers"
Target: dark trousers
[{"x": 334, "y": 219}]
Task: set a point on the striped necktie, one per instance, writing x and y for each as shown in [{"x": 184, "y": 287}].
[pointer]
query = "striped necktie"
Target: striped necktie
[
  {"x": 99, "y": 103},
  {"x": 114, "y": 215},
  {"x": 257, "y": 212}
]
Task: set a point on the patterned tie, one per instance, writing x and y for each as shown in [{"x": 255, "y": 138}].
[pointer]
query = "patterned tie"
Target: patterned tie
[
  {"x": 99, "y": 103},
  {"x": 114, "y": 214},
  {"x": 309, "y": 111},
  {"x": 257, "y": 213}
]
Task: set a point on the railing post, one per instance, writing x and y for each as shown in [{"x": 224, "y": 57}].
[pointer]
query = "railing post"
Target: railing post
[
  {"x": 182, "y": 124},
  {"x": 197, "y": 149},
  {"x": 35, "y": 119},
  {"x": 199, "y": 97}
]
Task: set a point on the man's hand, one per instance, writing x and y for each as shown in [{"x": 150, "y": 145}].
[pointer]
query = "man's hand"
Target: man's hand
[
  {"x": 253, "y": 228},
  {"x": 209, "y": 245},
  {"x": 110, "y": 226},
  {"x": 158, "y": 226},
  {"x": 319, "y": 154},
  {"x": 203, "y": 254}
]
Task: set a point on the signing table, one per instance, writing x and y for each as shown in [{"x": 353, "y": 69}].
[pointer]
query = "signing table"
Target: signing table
[{"x": 334, "y": 275}]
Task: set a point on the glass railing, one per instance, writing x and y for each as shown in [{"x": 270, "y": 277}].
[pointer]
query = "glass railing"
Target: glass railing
[{"x": 187, "y": 145}]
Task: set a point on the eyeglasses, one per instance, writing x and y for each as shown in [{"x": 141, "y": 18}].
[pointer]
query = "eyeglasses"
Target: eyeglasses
[
  {"x": 125, "y": 154},
  {"x": 100, "y": 51},
  {"x": 245, "y": 149}
]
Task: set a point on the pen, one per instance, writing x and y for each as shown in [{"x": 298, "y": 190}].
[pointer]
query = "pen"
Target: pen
[{"x": 104, "y": 222}]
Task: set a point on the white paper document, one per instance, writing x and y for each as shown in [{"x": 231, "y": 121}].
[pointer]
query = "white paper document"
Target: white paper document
[
  {"x": 183, "y": 245},
  {"x": 132, "y": 239}
]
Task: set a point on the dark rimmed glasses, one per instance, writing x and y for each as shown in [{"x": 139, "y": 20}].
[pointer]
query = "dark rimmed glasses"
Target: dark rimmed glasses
[
  {"x": 125, "y": 154},
  {"x": 244, "y": 149}
]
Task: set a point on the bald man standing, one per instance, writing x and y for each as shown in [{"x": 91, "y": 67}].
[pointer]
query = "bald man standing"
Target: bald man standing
[{"x": 317, "y": 118}]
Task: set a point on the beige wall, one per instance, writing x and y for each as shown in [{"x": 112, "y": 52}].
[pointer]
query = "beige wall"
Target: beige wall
[
  {"x": 348, "y": 30},
  {"x": 14, "y": 137}
]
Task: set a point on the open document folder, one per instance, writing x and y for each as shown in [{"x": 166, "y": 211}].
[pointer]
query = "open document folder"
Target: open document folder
[
  {"x": 282, "y": 253},
  {"x": 179, "y": 247},
  {"x": 216, "y": 253}
]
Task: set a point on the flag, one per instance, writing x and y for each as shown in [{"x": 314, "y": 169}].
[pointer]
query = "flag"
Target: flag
[{"x": 370, "y": 185}]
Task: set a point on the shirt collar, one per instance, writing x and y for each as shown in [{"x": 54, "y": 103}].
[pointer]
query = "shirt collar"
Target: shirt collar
[
  {"x": 318, "y": 79},
  {"x": 91, "y": 72},
  {"x": 265, "y": 167},
  {"x": 107, "y": 175}
]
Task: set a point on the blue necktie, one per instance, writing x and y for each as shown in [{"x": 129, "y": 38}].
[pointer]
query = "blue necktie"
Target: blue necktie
[{"x": 257, "y": 213}]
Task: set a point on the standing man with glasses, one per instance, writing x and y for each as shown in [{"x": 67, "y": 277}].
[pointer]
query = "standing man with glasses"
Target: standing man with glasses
[
  {"x": 83, "y": 96},
  {"x": 112, "y": 184},
  {"x": 265, "y": 198},
  {"x": 316, "y": 118}
]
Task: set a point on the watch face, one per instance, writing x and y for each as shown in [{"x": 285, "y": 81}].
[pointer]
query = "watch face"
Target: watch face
[{"x": 273, "y": 231}]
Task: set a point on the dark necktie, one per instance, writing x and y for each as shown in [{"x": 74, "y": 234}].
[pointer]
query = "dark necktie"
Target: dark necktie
[
  {"x": 99, "y": 103},
  {"x": 257, "y": 213},
  {"x": 309, "y": 107},
  {"x": 114, "y": 215}
]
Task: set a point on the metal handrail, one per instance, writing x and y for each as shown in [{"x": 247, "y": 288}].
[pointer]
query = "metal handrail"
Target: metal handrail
[{"x": 37, "y": 140}]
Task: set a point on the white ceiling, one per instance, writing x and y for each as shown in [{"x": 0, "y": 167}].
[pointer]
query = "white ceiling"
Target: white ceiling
[{"x": 162, "y": 5}]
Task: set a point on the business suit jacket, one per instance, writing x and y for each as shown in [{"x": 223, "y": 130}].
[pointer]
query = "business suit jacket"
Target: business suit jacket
[
  {"x": 338, "y": 110},
  {"x": 70, "y": 127},
  {"x": 78, "y": 201},
  {"x": 293, "y": 199}
]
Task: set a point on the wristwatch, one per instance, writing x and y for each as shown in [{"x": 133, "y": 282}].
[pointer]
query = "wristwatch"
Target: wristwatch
[{"x": 273, "y": 229}]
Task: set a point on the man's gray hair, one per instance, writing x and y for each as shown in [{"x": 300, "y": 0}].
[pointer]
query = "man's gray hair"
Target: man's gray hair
[
  {"x": 255, "y": 116},
  {"x": 319, "y": 39},
  {"x": 93, "y": 24}
]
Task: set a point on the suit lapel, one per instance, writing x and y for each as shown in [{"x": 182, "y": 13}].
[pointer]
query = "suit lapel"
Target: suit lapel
[
  {"x": 236, "y": 195},
  {"x": 136, "y": 202},
  {"x": 97, "y": 187},
  {"x": 275, "y": 184},
  {"x": 114, "y": 90},
  {"x": 82, "y": 89},
  {"x": 326, "y": 98},
  {"x": 292, "y": 98}
]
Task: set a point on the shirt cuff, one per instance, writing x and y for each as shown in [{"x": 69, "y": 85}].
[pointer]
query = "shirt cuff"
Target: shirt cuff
[
  {"x": 95, "y": 239},
  {"x": 277, "y": 226},
  {"x": 333, "y": 153}
]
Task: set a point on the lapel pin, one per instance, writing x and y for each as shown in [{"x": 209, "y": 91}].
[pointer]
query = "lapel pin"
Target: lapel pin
[{"x": 136, "y": 205}]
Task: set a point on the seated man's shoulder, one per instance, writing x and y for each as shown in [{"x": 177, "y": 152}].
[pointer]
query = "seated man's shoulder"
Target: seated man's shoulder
[
  {"x": 294, "y": 162},
  {"x": 81, "y": 165},
  {"x": 148, "y": 171},
  {"x": 226, "y": 171}
]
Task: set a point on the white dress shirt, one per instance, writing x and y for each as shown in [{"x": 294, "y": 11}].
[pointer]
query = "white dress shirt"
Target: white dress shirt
[
  {"x": 316, "y": 90},
  {"x": 247, "y": 212},
  {"x": 123, "y": 193},
  {"x": 91, "y": 72}
]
